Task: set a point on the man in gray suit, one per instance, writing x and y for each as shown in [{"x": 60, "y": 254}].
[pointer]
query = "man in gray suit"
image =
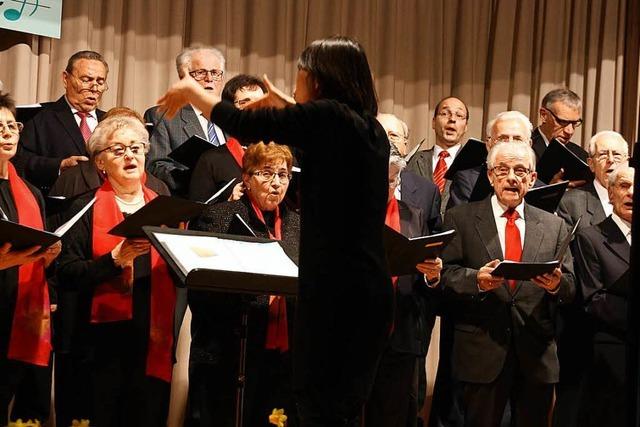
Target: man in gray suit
[
  {"x": 450, "y": 125},
  {"x": 207, "y": 66},
  {"x": 504, "y": 347},
  {"x": 607, "y": 149}
]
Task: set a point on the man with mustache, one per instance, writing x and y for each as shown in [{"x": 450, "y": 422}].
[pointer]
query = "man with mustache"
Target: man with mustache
[
  {"x": 207, "y": 66},
  {"x": 450, "y": 125},
  {"x": 54, "y": 140}
]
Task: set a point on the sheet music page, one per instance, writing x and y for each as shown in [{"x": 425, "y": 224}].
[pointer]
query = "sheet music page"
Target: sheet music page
[
  {"x": 67, "y": 225},
  {"x": 214, "y": 253}
]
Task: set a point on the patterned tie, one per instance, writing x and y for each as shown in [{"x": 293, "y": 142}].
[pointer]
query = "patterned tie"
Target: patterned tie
[
  {"x": 512, "y": 242},
  {"x": 441, "y": 169},
  {"x": 211, "y": 133},
  {"x": 84, "y": 126}
]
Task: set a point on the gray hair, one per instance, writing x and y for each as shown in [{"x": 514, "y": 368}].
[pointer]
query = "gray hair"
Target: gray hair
[
  {"x": 100, "y": 137},
  {"x": 510, "y": 115},
  {"x": 613, "y": 176},
  {"x": 184, "y": 57},
  {"x": 521, "y": 147},
  {"x": 607, "y": 134},
  {"x": 563, "y": 95}
]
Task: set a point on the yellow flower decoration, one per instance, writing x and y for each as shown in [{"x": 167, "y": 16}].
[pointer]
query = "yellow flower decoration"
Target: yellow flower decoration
[
  {"x": 81, "y": 423},
  {"x": 21, "y": 423},
  {"x": 278, "y": 418}
]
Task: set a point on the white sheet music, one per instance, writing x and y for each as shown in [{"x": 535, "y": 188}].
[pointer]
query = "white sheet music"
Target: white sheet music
[{"x": 214, "y": 253}]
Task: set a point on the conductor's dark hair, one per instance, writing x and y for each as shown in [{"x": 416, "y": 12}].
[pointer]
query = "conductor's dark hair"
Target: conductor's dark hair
[
  {"x": 6, "y": 101},
  {"x": 340, "y": 68},
  {"x": 85, "y": 54},
  {"x": 239, "y": 82}
]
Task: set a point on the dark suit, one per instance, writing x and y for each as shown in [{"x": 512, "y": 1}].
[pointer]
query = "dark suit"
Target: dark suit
[
  {"x": 397, "y": 374},
  {"x": 421, "y": 193},
  {"x": 574, "y": 326},
  {"x": 501, "y": 338},
  {"x": 602, "y": 256},
  {"x": 539, "y": 146},
  {"x": 422, "y": 164},
  {"x": 166, "y": 137},
  {"x": 51, "y": 136}
]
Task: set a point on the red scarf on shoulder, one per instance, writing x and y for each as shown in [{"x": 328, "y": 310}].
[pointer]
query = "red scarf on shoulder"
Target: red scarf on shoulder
[
  {"x": 30, "y": 340},
  {"x": 112, "y": 300},
  {"x": 236, "y": 150}
]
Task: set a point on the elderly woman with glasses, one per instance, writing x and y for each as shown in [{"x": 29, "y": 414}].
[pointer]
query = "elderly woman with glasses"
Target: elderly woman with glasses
[
  {"x": 215, "y": 357},
  {"x": 124, "y": 320},
  {"x": 25, "y": 317}
]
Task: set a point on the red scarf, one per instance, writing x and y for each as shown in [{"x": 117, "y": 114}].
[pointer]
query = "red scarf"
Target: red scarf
[
  {"x": 30, "y": 340},
  {"x": 277, "y": 326},
  {"x": 111, "y": 300},
  {"x": 236, "y": 150}
]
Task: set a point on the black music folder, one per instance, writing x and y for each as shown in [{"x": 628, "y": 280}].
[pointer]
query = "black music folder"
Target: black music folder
[
  {"x": 225, "y": 263},
  {"x": 404, "y": 253},
  {"x": 547, "y": 197},
  {"x": 514, "y": 270},
  {"x": 24, "y": 113},
  {"x": 557, "y": 156},
  {"x": 190, "y": 151},
  {"x": 22, "y": 237},
  {"x": 163, "y": 210},
  {"x": 472, "y": 154}
]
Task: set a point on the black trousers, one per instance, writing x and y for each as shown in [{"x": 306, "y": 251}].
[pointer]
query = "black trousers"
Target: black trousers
[
  {"x": 532, "y": 403},
  {"x": 394, "y": 398},
  {"x": 30, "y": 385},
  {"x": 72, "y": 390}
]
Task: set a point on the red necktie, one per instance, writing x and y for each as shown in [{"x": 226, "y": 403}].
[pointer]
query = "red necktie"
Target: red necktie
[
  {"x": 84, "y": 126},
  {"x": 512, "y": 242},
  {"x": 440, "y": 170}
]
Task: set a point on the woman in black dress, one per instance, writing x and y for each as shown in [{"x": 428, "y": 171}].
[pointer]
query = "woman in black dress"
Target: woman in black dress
[{"x": 344, "y": 305}]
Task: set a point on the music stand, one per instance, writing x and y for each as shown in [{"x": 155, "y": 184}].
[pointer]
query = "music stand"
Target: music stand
[{"x": 254, "y": 283}]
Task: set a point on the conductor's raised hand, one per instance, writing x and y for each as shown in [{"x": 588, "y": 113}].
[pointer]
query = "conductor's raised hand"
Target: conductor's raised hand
[
  {"x": 274, "y": 98},
  {"x": 486, "y": 281},
  {"x": 186, "y": 91}
]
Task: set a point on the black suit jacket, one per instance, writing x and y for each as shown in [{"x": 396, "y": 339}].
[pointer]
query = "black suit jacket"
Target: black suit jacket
[
  {"x": 415, "y": 301},
  {"x": 422, "y": 164},
  {"x": 421, "y": 193},
  {"x": 602, "y": 256},
  {"x": 51, "y": 136},
  {"x": 488, "y": 325},
  {"x": 581, "y": 202}
]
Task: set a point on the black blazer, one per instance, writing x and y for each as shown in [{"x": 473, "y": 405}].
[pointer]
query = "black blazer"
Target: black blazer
[
  {"x": 51, "y": 136},
  {"x": 602, "y": 256},
  {"x": 421, "y": 193},
  {"x": 488, "y": 325},
  {"x": 581, "y": 202},
  {"x": 345, "y": 292}
]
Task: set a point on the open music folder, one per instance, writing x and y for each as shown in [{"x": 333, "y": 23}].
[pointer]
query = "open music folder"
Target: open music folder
[
  {"x": 190, "y": 151},
  {"x": 557, "y": 156},
  {"x": 404, "y": 253},
  {"x": 226, "y": 263},
  {"x": 514, "y": 270},
  {"x": 22, "y": 237}
]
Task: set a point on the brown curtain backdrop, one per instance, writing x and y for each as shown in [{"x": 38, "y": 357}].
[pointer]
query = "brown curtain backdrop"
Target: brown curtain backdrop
[{"x": 493, "y": 54}]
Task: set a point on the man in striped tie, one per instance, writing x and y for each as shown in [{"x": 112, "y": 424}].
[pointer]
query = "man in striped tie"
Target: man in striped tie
[
  {"x": 450, "y": 126},
  {"x": 207, "y": 66}
]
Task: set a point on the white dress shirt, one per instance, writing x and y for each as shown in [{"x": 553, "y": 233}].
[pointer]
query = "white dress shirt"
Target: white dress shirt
[
  {"x": 92, "y": 117},
  {"x": 603, "y": 195},
  {"x": 623, "y": 225},
  {"x": 447, "y": 160},
  {"x": 501, "y": 222}
]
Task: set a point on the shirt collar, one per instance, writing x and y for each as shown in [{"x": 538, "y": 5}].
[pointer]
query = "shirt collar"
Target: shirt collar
[
  {"x": 452, "y": 150},
  {"x": 623, "y": 225},
  {"x": 499, "y": 209},
  {"x": 74, "y": 110},
  {"x": 544, "y": 137},
  {"x": 603, "y": 195}
]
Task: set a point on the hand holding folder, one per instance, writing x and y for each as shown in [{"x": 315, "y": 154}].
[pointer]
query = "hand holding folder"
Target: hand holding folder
[{"x": 513, "y": 270}]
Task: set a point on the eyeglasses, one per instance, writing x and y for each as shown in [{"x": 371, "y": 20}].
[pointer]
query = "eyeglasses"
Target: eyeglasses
[
  {"x": 87, "y": 83},
  {"x": 119, "y": 150},
  {"x": 603, "y": 156},
  {"x": 242, "y": 102},
  {"x": 503, "y": 171},
  {"x": 448, "y": 114},
  {"x": 395, "y": 137},
  {"x": 11, "y": 127},
  {"x": 564, "y": 123},
  {"x": 269, "y": 176},
  {"x": 202, "y": 74},
  {"x": 509, "y": 138}
]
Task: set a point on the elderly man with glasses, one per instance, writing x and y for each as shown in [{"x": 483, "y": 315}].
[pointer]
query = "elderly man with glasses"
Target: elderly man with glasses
[
  {"x": 55, "y": 139},
  {"x": 207, "y": 66}
]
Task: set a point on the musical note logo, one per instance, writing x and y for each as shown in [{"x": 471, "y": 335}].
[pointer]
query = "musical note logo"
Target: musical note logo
[{"x": 15, "y": 14}]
